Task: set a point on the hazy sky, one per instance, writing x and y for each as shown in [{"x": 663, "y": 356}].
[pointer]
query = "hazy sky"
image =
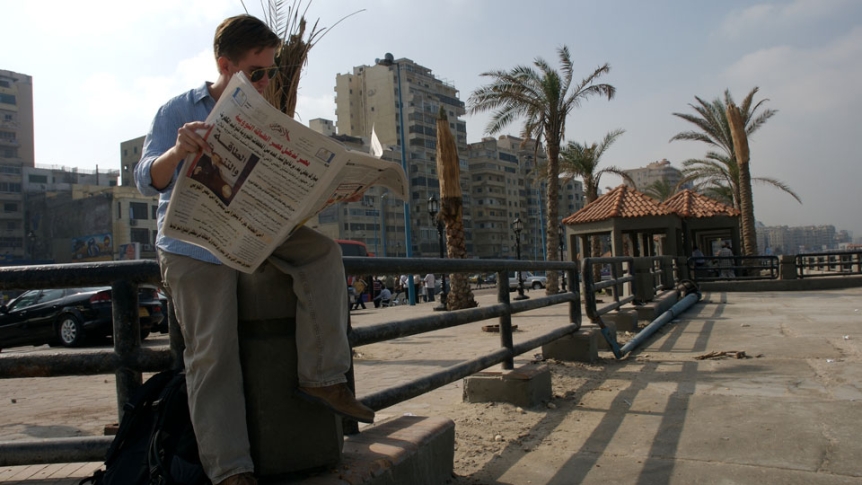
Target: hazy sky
[{"x": 102, "y": 68}]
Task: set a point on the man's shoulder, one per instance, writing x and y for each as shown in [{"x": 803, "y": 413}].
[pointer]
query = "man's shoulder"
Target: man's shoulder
[{"x": 187, "y": 98}]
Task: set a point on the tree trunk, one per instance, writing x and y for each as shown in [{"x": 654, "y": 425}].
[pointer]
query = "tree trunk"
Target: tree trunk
[
  {"x": 553, "y": 222},
  {"x": 746, "y": 204},
  {"x": 452, "y": 213}
]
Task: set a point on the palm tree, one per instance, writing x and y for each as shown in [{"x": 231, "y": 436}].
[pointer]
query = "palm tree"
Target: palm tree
[
  {"x": 660, "y": 190},
  {"x": 716, "y": 129},
  {"x": 583, "y": 161},
  {"x": 544, "y": 97},
  {"x": 452, "y": 213}
]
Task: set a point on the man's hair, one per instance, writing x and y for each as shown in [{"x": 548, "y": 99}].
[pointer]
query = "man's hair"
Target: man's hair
[{"x": 236, "y": 36}]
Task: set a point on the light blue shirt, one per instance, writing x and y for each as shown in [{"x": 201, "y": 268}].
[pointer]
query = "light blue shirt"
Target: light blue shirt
[{"x": 194, "y": 105}]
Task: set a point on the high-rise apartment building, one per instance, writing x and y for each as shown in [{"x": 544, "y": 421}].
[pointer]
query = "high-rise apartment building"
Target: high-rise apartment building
[
  {"x": 16, "y": 152},
  {"x": 370, "y": 96},
  {"x": 797, "y": 240},
  {"x": 505, "y": 185}
]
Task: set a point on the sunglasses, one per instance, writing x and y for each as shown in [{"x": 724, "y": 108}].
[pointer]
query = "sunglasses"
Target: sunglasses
[{"x": 257, "y": 74}]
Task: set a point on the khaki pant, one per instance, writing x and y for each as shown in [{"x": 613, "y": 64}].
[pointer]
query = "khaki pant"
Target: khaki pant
[{"x": 205, "y": 300}]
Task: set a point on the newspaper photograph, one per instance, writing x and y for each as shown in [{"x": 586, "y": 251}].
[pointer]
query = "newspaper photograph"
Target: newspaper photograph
[{"x": 264, "y": 175}]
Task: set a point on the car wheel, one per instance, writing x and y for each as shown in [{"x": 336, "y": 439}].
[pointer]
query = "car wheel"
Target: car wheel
[
  {"x": 537, "y": 285},
  {"x": 70, "y": 331}
]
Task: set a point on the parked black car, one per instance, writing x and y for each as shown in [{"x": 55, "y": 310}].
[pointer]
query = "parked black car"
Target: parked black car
[{"x": 67, "y": 316}]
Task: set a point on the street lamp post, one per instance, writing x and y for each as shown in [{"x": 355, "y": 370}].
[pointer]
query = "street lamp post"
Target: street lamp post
[
  {"x": 518, "y": 226},
  {"x": 389, "y": 60},
  {"x": 562, "y": 243},
  {"x": 433, "y": 209}
]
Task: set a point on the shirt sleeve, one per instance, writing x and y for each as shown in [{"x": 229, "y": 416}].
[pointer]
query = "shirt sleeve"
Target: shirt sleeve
[{"x": 161, "y": 137}]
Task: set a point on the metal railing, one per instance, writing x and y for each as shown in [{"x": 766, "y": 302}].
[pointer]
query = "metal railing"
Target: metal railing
[
  {"x": 829, "y": 263},
  {"x": 621, "y": 282},
  {"x": 720, "y": 268},
  {"x": 127, "y": 360}
]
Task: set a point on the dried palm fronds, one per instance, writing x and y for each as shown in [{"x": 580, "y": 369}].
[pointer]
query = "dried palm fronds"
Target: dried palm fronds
[{"x": 290, "y": 24}]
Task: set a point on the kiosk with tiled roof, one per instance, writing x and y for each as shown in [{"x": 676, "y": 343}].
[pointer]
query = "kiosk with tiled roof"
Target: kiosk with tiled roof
[
  {"x": 705, "y": 222},
  {"x": 625, "y": 212}
]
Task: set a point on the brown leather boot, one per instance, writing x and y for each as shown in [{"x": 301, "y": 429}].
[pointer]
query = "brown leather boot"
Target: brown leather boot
[
  {"x": 240, "y": 479},
  {"x": 339, "y": 400}
]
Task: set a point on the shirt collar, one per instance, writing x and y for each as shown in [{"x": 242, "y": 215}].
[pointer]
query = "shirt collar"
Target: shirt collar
[{"x": 202, "y": 92}]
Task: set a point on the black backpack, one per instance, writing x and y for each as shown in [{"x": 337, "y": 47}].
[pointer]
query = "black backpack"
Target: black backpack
[{"x": 155, "y": 443}]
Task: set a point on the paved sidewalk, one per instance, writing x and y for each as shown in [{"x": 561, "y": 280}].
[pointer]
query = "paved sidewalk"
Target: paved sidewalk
[{"x": 791, "y": 415}]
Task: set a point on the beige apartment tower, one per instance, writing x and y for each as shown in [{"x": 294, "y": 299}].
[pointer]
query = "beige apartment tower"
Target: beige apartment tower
[{"x": 369, "y": 97}]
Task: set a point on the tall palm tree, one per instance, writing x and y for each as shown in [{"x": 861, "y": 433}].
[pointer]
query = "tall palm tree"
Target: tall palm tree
[
  {"x": 583, "y": 161},
  {"x": 544, "y": 97},
  {"x": 715, "y": 129}
]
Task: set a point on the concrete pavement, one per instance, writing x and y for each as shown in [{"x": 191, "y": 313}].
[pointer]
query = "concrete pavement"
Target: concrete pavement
[{"x": 789, "y": 414}]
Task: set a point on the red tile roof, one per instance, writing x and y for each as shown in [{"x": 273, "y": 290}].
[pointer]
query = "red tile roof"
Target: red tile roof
[
  {"x": 691, "y": 205},
  {"x": 623, "y": 201}
]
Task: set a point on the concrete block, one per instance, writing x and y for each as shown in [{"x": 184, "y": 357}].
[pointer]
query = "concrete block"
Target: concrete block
[
  {"x": 581, "y": 346},
  {"x": 403, "y": 450},
  {"x": 624, "y": 320},
  {"x": 287, "y": 433},
  {"x": 526, "y": 386}
]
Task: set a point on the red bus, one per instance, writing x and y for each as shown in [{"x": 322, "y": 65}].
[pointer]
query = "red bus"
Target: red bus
[{"x": 353, "y": 248}]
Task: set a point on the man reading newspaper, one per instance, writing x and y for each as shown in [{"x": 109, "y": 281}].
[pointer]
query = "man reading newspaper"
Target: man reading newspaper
[{"x": 205, "y": 292}]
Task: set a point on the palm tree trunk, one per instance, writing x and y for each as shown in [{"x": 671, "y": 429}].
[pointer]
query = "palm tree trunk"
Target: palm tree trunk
[
  {"x": 746, "y": 204},
  {"x": 452, "y": 213}
]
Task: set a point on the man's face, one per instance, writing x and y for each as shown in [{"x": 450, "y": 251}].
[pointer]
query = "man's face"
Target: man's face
[{"x": 254, "y": 61}]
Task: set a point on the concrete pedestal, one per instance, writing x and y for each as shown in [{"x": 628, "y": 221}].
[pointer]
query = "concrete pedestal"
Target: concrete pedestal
[
  {"x": 623, "y": 320},
  {"x": 287, "y": 433},
  {"x": 581, "y": 346},
  {"x": 662, "y": 303},
  {"x": 526, "y": 386}
]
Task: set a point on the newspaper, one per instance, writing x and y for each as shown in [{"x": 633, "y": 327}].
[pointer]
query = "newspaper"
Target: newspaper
[{"x": 264, "y": 175}]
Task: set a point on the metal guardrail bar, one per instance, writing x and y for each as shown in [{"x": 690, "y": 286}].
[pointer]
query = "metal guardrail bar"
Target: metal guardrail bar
[
  {"x": 128, "y": 359},
  {"x": 843, "y": 260},
  {"x": 758, "y": 265},
  {"x": 617, "y": 281}
]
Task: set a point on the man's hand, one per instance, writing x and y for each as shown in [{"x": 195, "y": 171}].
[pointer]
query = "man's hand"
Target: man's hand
[{"x": 188, "y": 142}]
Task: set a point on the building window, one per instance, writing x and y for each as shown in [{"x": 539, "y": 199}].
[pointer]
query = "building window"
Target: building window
[
  {"x": 37, "y": 179},
  {"x": 153, "y": 210},
  {"x": 10, "y": 153},
  {"x": 10, "y": 187},
  {"x": 138, "y": 211},
  {"x": 140, "y": 235},
  {"x": 10, "y": 207},
  {"x": 8, "y": 99}
]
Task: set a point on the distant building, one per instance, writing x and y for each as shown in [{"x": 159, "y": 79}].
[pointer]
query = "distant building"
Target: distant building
[
  {"x": 504, "y": 185},
  {"x": 16, "y": 152},
  {"x": 130, "y": 155},
  {"x": 90, "y": 223},
  {"x": 797, "y": 240},
  {"x": 655, "y": 172},
  {"x": 368, "y": 97}
]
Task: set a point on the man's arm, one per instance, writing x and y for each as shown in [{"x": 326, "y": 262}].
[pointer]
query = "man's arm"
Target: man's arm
[{"x": 170, "y": 140}]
